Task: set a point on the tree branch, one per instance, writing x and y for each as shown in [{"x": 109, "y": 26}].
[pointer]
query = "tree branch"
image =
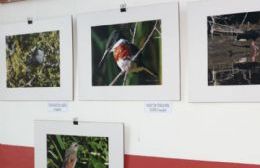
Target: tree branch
[
  {"x": 133, "y": 38},
  {"x": 29, "y": 84},
  {"x": 158, "y": 31},
  {"x": 124, "y": 82},
  {"x": 243, "y": 21},
  {"x": 145, "y": 43},
  {"x": 116, "y": 78}
]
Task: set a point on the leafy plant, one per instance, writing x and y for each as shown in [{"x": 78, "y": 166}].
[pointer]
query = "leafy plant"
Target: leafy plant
[
  {"x": 136, "y": 33},
  {"x": 23, "y": 70},
  {"x": 93, "y": 152}
]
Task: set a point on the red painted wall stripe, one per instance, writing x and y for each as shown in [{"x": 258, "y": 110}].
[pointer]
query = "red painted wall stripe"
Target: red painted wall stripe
[
  {"x": 23, "y": 157},
  {"x": 154, "y": 162},
  {"x": 16, "y": 157}
]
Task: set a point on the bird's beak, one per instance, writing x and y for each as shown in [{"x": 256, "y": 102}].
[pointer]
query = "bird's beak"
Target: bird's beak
[{"x": 103, "y": 57}]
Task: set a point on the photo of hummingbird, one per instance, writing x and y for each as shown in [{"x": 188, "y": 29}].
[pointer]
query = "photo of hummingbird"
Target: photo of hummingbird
[
  {"x": 127, "y": 54},
  {"x": 135, "y": 53}
]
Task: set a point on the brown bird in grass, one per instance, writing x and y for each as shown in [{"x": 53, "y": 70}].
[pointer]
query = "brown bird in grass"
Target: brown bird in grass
[{"x": 71, "y": 158}]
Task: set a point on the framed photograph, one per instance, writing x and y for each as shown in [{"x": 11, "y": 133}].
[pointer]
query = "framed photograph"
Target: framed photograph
[
  {"x": 61, "y": 144},
  {"x": 132, "y": 55},
  {"x": 224, "y": 60},
  {"x": 36, "y": 60}
]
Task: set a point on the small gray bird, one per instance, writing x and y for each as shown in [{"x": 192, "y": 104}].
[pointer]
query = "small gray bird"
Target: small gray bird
[
  {"x": 38, "y": 57},
  {"x": 70, "y": 158}
]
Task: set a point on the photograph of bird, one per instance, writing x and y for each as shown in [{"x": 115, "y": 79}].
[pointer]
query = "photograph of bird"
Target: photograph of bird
[
  {"x": 127, "y": 54},
  {"x": 33, "y": 60},
  {"x": 123, "y": 52},
  {"x": 66, "y": 151},
  {"x": 252, "y": 36},
  {"x": 70, "y": 158}
]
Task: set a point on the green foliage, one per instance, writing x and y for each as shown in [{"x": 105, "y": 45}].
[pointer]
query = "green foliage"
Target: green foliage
[
  {"x": 21, "y": 72},
  {"x": 150, "y": 57},
  {"x": 92, "y": 153}
]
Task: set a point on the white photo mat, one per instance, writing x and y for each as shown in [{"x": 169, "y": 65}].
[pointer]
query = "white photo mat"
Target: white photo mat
[
  {"x": 199, "y": 91},
  {"x": 65, "y": 91},
  {"x": 114, "y": 132},
  {"x": 168, "y": 13}
]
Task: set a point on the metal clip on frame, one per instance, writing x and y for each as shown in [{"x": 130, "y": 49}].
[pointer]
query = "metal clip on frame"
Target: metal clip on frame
[
  {"x": 123, "y": 7},
  {"x": 75, "y": 121},
  {"x": 29, "y": 21}
]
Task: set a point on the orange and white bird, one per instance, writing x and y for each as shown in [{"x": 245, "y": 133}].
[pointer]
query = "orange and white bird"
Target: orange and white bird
[
  {"x": 123, "y": 53},
  {"x": 71, "y": 158}
]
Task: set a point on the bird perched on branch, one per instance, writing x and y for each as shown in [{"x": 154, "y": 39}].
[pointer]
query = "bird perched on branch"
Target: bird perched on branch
[
  {"x": 252, "y": 35},
  {"x": 70, "y": 158},
  {"x": 123, "y": 53}
]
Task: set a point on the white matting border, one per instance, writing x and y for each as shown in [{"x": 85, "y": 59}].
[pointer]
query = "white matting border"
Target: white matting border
[
  {"x": 199, "y": 91},
  {"x": 168, "y": 13},
  {"x": 114, "y": 132},
  {"x": 65, "y": 91}
]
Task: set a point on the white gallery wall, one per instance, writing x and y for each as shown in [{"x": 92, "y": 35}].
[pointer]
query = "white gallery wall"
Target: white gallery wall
[{"x": 226, "y": 132}]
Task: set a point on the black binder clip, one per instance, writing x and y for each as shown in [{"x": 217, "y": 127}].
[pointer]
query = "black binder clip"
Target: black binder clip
[
  {"x": 75, "y": 121},
  {"x": 29, "y": 21},
  {"x": 123, "y": 7}
]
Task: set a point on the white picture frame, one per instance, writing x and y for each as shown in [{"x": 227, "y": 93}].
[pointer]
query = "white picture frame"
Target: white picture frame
[
  {"x": 199, "y": 89},
  {"x": 63, "y": 91},
  {"x": 114, "y": 132},
  {"x": 169, "y": 89}
]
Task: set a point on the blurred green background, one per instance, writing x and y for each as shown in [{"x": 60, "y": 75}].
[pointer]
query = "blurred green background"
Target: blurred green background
[
  {"x": 20, "y": 71},
  {"x": 150, "y": 58},
  {"x": 93, "y": 152}
]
